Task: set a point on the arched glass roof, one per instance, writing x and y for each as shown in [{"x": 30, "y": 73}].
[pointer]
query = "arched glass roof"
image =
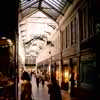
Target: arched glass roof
[
  {"x": 35, "y": 32},
  {"x": 52, "y": 8},
  {"x": 38, "y": 22}
]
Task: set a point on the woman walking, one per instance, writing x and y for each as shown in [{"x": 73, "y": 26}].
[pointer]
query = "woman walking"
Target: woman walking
[{"x": 26, "y": 87}]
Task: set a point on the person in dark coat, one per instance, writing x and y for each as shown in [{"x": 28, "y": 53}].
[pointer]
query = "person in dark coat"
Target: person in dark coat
[
  {"x": 26, "y": 88},
  {"x": 43, "y": 79},
  {"x": 37, "y": 79},
  {"x": 72, "y": 84},
  {"x": 54, "y": 90}
]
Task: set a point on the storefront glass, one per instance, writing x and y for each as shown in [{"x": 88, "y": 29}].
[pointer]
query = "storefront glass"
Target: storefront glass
[{"x": 88, "y": 73}]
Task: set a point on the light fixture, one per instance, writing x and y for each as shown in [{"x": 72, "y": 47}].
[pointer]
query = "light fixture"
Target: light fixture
[
  {"x": 4, "y": 38},
  {"x": 9, "y": 41},
  {"x": 50, "y": 43}
]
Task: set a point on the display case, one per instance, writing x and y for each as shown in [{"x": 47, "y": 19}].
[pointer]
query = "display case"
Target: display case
[{"x": 7, "y": 70}]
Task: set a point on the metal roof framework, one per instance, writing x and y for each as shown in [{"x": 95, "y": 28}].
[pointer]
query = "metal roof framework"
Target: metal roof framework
[{"x": 51, "y": 8}]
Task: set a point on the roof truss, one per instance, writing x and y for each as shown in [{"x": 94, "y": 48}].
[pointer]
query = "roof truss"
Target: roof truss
[{"x": 52, "y": 8}]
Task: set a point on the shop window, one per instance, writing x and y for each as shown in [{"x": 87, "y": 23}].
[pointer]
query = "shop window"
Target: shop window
[
  {"x": 88, "y": 73},
  {"x": 7, "y": 73},
  {"x": 58, "y": 74},
  {"x": 65, "y": 77},
  {"x": 98, "y": 28}
]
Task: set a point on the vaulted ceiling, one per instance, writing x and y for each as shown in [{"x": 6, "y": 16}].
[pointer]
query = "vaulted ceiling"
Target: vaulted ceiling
[
  {"x": 35, "y": 32},
  {"x": 39, "y": 22},
  {"x": 51, "y": 8}
]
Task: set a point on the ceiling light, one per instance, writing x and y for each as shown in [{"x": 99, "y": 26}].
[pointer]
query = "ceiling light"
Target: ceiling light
[
  {"x": 4, "y": 38},
  {"x": 9, "y": 41}
]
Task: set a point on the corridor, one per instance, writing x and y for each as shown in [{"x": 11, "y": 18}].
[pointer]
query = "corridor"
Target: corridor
[
  {"x": 39, "y": 93},
  {"x": 52, "y": 37},
  {"x": 42, "y": 93}
]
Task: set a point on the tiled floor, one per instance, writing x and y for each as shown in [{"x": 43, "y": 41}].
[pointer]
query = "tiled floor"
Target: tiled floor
[
  {"x": 66, "y": 96},
  {"x": 42, "y": 93},
  {"x": 39, "y": 93}
]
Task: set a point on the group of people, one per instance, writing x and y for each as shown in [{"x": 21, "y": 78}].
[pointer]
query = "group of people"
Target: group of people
[
  {"x": 26, "y": 88},
  {"x": 40, "y": 77},
  {"x": 54, "y": 89}
]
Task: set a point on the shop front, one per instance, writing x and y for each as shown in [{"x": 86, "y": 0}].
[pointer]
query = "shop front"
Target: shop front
[
  {"x": 88, "y": 71},
  {"x": 65, "y": 77},
  {"x": 7, "y": 70},
  {"x": 70, "y": 73},
  {"x": 58, "y": 72},
  {"x": 65, "y": 74}
]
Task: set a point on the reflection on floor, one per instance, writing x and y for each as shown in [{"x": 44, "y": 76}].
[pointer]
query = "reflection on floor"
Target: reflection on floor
[
  {"x": 39, "y": 93},
  {"x": 42, "y": 93}
]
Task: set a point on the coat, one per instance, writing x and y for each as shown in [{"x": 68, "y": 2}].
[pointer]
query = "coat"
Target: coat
[
  {"x": 26, "y": 90},
  {"x": 54, "y": 91}
]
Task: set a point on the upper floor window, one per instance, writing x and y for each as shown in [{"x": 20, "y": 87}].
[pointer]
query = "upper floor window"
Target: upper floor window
[
  {"x": 90, "y": 25},
  {"x": 72, "y": 36},
  {"x": 75, "y": 30},
  {"x": 66, "y": 36},
  {"x": 83, "y": 23},
  {"x": 80, "y": 25},
  {"x": 86, "y": 24}
]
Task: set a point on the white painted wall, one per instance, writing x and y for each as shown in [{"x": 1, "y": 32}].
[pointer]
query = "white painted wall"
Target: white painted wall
[
  {"x": 44, "y": 54},
  {"x": 21, "y": 52}
]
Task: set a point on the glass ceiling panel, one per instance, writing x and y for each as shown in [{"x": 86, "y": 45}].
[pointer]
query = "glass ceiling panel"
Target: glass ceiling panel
[
  {"x": 49, "y": 10},
  {"x": 57, "y": 2},
  {"x": 52, "y": 13},
  {"x": 49, "y": 2},
  {"x": 59, "y": 5},
  {"x": 38, "y": 27},
  {"x": 52, "y": 8},
  {"x": 29, "y": 4},
  {"x": 28, "y": 12}
]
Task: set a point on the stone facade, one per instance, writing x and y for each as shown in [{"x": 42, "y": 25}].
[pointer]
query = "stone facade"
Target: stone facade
[{"x": 74, "y": 35}]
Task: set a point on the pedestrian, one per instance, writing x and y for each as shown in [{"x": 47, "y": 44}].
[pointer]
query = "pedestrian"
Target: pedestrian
[
  {"x": 72, "y": 84},
  {"x": 43, "y": 79},
  {"x": 26, "y": 88},
  {"x": 54, "y": 89},
  {"x": 31, "y": 73},
  {"x": 37, "y": 79}
]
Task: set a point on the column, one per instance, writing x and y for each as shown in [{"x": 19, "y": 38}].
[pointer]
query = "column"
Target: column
[
  {"x": 50, "y": 64},
  {"x": 60, "y": 70},
  {"x": 72, "y": 77}
]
